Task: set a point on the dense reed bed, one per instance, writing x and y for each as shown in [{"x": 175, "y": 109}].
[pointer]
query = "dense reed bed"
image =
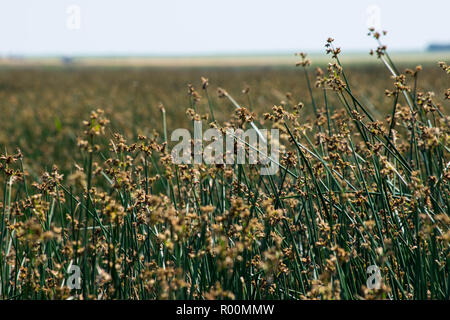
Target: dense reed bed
[{"x": 363, "y": 181}]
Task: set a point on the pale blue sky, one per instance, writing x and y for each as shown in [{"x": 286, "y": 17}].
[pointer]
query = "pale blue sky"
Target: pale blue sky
[{"x": 134, "y": 27}]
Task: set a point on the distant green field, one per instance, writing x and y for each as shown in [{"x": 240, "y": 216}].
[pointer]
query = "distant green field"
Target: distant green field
[{"x": 225, "y": 60}]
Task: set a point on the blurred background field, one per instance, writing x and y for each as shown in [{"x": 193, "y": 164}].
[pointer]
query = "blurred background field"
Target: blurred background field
[
  {"x": 213, "y": 60},
  {"x": 42, "y": 101}
]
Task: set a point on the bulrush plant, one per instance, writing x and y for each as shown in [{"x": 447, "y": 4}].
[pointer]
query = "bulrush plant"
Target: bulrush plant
[{"x": 354, "y": 192}]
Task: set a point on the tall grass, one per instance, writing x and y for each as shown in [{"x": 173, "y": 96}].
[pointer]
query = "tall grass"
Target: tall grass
[{"x": 352, "y": 191}]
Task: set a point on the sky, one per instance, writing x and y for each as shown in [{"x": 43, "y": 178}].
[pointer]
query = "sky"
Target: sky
[{"x": 204, "y": 27}]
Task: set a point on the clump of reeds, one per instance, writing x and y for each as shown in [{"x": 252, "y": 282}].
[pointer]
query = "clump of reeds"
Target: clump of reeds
[{"x": 353, "y": 191}]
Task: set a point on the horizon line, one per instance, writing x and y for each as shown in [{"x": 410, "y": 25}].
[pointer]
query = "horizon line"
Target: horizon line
[{"x": 249, "y": 53}]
